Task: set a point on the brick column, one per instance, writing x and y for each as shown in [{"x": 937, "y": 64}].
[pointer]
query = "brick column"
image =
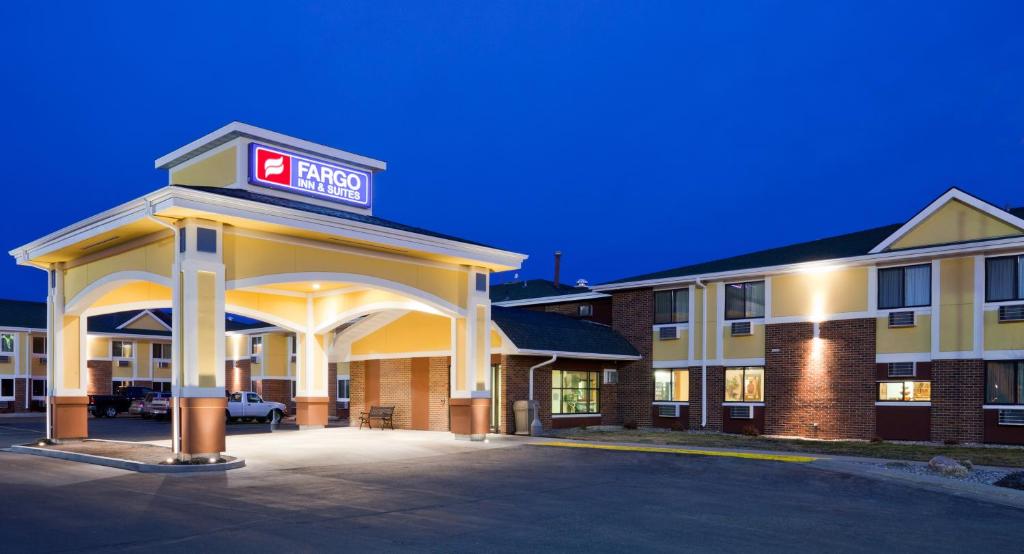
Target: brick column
[
  {"x": 632, "y": 317},
  {"x": 958, "y": 389}
]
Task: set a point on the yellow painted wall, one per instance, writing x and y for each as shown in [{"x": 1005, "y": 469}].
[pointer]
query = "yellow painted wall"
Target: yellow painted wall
[
  {"x": 155, "y": 257},
  {"x": 146, "y": 323},
  {"x": 327, "y": 309},
  {"x": 955, "y": 222},
  {"x": 71, "y": 328},
  {"x": 136, "y": 291},
  {"x": 217, "y": 170},
  {"x": 290, "y": 308},
  {"x": 696, "y": 327},
  {"x": 144, "y": 359},
  {"x": 253, "y": 257},
  {"x": 413, "y": 332},
  {"x": 1002, "y": 336},
  {"x": 751, "y": 346},
  {"x": 206, "y": 322},
  {"x": 900, "y": 340},
  {"x": 820, "y": 293},
  {"x": 495, "y": 339},
  {"x": 236, "y": 347},
  {"x": 98, "y": 347},
  {"x": 678, "y": 349},
  {"x": 275, "y": 355},
  {"x": 956, "y": 304}
]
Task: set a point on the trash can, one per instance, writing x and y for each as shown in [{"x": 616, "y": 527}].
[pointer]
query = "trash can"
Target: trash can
[{"x": 524, "y": 410}]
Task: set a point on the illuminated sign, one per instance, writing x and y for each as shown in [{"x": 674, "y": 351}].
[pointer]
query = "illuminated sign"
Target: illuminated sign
[{"x": 270, "y": 167}]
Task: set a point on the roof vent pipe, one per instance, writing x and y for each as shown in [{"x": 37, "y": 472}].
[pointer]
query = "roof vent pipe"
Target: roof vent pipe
[{"x": 558, "y": 266}]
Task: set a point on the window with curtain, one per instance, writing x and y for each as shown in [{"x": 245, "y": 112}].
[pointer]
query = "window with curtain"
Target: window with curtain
[
  {"x": 905, "y": 287},
  {"x": 255, "y": 346},
  {"x": 575, "y": 392},
  {"x": 1004, "y": 382},
  {"x": 121, "y": 349},
  {"x": 671, "y": 385},
  {"x": 744, "y": 384},
  {"x": 672, "y": 306},
  {"x": 7, "y": 343},
  {"x": 905, "y": 391},
  {"x": 744, "y": 300},
  {"x": 1004, "y": 278}
]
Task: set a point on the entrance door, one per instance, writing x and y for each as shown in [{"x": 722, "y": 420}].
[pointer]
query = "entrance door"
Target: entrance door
[{"x": 496, "y": 398}]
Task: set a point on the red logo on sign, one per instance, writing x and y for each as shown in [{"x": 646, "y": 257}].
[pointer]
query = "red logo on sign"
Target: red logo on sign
[{"x": 273, "y": 167}]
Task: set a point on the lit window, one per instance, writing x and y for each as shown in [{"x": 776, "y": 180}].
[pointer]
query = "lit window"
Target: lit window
[
  {"x": 744, "y": 384},
  {"x": 671, "y": 385},
  {"x": 121, "y": 349},
  {"x": 255, "y": 346},
  {"x": 343, "y": 389},
  {"x": 905, "y": 287},
  {"x": 1004, "y": 278},
  {"x": 744, "y": 300},
  {"x": 672, "y": 306},
  {"x": 585, "y": 310},
  {"x": 1004, "y": 382},
  {"x": 575, "y": 392},
  {"x": 905, "y": 391},
  {"x": 7, "y": 343}
]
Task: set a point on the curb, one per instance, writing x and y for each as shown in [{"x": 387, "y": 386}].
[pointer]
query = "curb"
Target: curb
[
  {"x": 129, "y": 465},
  {"x": 787, "y": 458}
]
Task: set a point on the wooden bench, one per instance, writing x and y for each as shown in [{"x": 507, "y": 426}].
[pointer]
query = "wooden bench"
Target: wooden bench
[{"x": 384, "y": 413}]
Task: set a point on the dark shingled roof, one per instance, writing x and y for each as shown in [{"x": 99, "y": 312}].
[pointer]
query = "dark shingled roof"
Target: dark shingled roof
[
  {"x": 536, "y": 330},
  {"x": 532, "y": 288},
  {"x": 243, "y": 194},
  {"x": 22, "y": 313},
  {"x": 849, "y": 245}
]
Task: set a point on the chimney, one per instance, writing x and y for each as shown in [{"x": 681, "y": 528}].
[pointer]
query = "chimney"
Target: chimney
[{"x": 558, "y": 266}]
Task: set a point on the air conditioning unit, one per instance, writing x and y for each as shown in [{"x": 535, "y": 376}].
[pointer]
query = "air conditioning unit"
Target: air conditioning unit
[
  {"x": 1011, "y": 313},
  {"x": 124, "y": 363},
  {"x": 668, "y": 410},
  {"x": 742, "y": 328},
  {"x": 5, "y": 359},
  {"x": 741, "y": 412},
  {"x": 1011, "y": 417},
  {"x": 293, "y": 358},
  {"x": 668, "y": 333},
  {"x": 163, "y": 365},
  {"x": 901, "y": 319},
  {"x": 901, "y": 369},
  {"x": 611, "y": 377},
  {"x": 254, "y": 359}
]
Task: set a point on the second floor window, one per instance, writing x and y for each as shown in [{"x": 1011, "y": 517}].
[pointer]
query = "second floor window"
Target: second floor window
[
  {"x": 672, "y": 306},
  {"x": 161, "y": 351},
  {"x": 1004, "y": 278},
  {"x": 121, "y": 349},
  {"x": 905, "y": 287},
  {"x": 255, "y": 346},
  {"x": 744, "y": 300},
  {"x": 39, "y": 345},
  {"x": 7, "y": 343}
]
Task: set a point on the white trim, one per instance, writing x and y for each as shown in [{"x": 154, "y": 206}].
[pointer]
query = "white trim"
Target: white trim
[
  {"x": 551, "y": 299},
  {"x": 573, "y": 355},
  {"x": 670, "y": 403},
  {"x": 955, "y": 355},
  {"x": 142, "y": 314},
  {"x": 672, "y": 364},
  {"x": 720, "y": 329},
  {"x": 741, "y": 362},
  {"x": 903, "y": 404},
  {"x": 940, "y": 202},
  {"x": 86, "y": 297},
  {"x": 872, "y": 289},
  {"x": 1000, "y": 355},
  {"x": 903, "y": 357},
  {"x": 128, "y": 338},
  {"x": 570, "y": 416},
  {"x": 936, "y": 315},
  {"x": 742, "y": 404},
  {"x": 838, "y": 316},
  {"x": 979, "y": 299},
  {"x": 1003, "y": 407}
]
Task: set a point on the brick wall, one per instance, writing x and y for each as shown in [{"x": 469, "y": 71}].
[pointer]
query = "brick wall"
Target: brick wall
[
  {"x": 438, "y": 393},
  {"x": 516, "y": 386},
  {"x": 240, "y": 380},
  {"x": 602, "y": 309},
  {"x": 958, "y": 389},
  {"x": 395, "y": 389},
  {"x": 356, "y": 391},
  {"x": 821, "y": 389},
  {"x": 18, "y": 404},
  {"x": 100, "y": 372},
  {"x": 632, "y": 317}
]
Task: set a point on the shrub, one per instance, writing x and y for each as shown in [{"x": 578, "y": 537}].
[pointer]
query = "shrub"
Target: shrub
[
  {"x": 751, "y": 431},
  {"x": 630, "y": 423},
  {"x": 876, "y": 439},
  {"x": 678, "y": 426}
]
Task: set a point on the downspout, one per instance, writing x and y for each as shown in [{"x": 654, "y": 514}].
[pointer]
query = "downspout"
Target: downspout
[
  {"x": 703, "y": 355},
  {"x": 175, "y": 400},
  {"x": 535, "y": 426}
]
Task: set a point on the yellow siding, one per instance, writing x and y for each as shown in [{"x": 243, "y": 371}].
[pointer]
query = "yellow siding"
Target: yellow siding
[
  {"x": 289, "y": 308},
  {"x": 696, "y": 326},
  {"x": 1002, "y": 336},
  {"x": 146, "y": 323},
  {"x": 956, "y": 305},
  {"x": 955, "y": 222},
  {"x": 144, "y": 359},
  {"x": 413, "y": 332},
  {"x": 247, "y": 257},
  {"x": 818, "y": 294},
  {"x": 217, "y": 170},
  {"x": 236, "y": 347},
  {"x": 751, "y": 346},
  {"x": 904, "y": 339},
  {"x": 98, "y": 347},
  {"x": 275, "y": 355},
  {"x": 156, "y": 257},
  {"x": 665, "y": 350},
  {"x": 71, "y": 327},
  {"x": 125, "y": 372},
  {"x": 495, "y": 339},
  {"x": 136, "y": 291},
  {"x": 206, "y": 322}
]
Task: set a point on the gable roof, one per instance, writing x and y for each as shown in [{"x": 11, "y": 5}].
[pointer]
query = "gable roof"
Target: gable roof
[
  {"x": 532, "y": 288},
  {"x": 22, "y": 314},
  {"x": 859, "y": 243},
  {"x": 165, "y": 325},
  {"x": 537, "y": 332}
]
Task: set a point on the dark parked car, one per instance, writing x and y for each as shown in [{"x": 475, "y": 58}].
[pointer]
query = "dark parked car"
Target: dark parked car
[{"x": 109, "y": 405}]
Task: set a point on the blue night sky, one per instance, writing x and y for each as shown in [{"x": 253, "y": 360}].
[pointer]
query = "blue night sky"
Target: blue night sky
[{"x": 632, "y": 136}]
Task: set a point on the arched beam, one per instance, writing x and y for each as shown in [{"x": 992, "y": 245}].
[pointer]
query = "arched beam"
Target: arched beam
[{"x": 84, "y": 300}]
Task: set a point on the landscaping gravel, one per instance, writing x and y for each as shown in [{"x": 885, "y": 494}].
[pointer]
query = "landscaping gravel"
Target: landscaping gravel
[{"x": 983, "y": 476}]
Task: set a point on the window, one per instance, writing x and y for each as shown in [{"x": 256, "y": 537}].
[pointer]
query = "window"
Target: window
[
  {"x": 255, "y": 346},
  {"x": 575, "y": 392},
  {"x": 39, "y": 345},
  {"x": 38, "y": 388},
  {"x": 744, "y": 300},
  {"x": 206, "y": 240},
  {"x": 585, "y": 310},
  {"x": 118, "y": 385},
  {"x": 1004, "y": 278},
  {"x": 7, "y": 343},
  {"x": 905, "y": 391},
  {"x": 161, "y": 351},
  {"x": 744, "y": 384},
  {"x": 671, "y": 385},
  {"x": 121, "y": 349},
  {"x": 343, "y": 389},
  {"x": 7, "y": 389},
  {"x": 905, "y": 287},
  {"x": 672, "y": 306},
  {"x": 1004, "y": 382},
  {"x": 162, "y": 386}
]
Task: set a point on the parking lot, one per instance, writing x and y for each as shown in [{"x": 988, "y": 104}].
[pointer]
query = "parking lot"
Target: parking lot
[{"x": 342, "y": 488}]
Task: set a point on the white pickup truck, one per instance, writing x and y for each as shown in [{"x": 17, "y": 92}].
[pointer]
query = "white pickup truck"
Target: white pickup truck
[{"x": 249, "y": 406}]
